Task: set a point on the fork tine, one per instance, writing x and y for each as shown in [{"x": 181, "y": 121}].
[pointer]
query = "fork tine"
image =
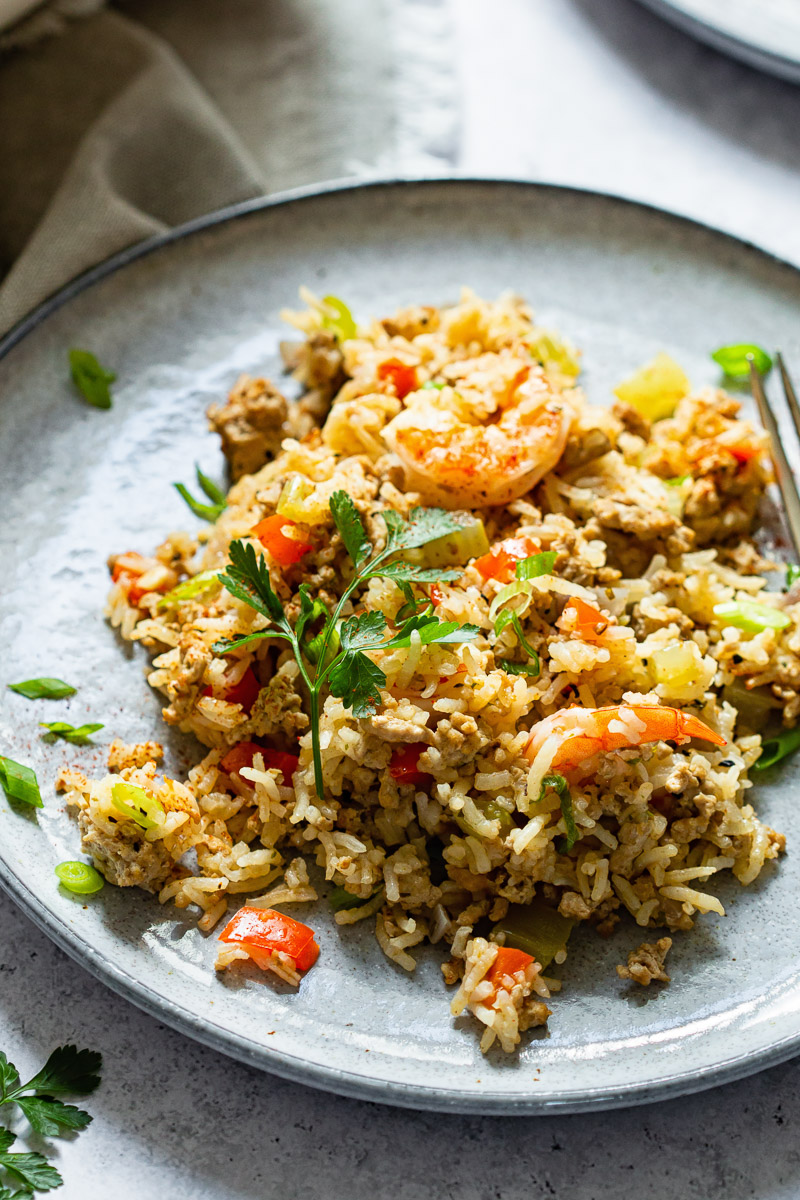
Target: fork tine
[{"x": 783, "y": 471}]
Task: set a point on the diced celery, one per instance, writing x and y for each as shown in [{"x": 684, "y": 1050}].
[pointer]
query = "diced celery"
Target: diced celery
[
  {"x": 655, "y": 389},
  {"x": 535, "y": 928},
  {"x": 135, "y": 803},
  {"x": 457, "y": 548}
]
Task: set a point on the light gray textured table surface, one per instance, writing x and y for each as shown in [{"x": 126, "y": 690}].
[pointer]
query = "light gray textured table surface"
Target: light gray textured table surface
[{"x": 597, "y": 93}]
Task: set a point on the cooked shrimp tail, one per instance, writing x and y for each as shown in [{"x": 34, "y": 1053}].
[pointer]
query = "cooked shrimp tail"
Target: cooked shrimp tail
[{"x": 580, "y": 733}]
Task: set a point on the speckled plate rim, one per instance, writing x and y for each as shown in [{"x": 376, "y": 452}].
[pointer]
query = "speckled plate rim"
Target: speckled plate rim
[
  {"x": 725, "y": 35},
  {"x": 227, "y": 1041}
]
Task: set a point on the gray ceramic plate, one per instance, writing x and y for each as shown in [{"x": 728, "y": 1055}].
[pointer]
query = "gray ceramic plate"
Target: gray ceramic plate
[
  {"x": 763, "y": 33},
  {"x": 178, "y": 321}
]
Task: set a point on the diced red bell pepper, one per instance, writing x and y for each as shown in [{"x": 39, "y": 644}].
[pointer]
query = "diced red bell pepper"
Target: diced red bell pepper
[
  {"x": 283, "y": 538},
  {"x": 436, "y": 594},
  {"x": 745, "y": 450},
  {"x": 508, "y": 962},
  {"x": 264, "y": 929},
  {"x": 242, "y": 755},
  {"x": 127, "y": 569},
  {"x": 403, "y": 376},
  {"x": 584, "y": 619},
  {"x": 245, "y": 692},
  {"x": 501, "y": 561},
  {"x": 404, "y": 769}
]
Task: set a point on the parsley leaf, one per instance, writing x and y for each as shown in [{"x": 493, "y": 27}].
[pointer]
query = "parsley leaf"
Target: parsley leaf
[
  {"x": 247, "y": 578},
  {"x": 431, "y": 630},
  {"x": 90, "y": 378},
  {"x": 403, "y": 572},
  {"x": 9, "y": 1076},
  {"x": 77, "y": 735},
  {"x": 20, "y": 782},
  {"x": 356, "y": 680},
  {"x": 350, "y": 526},
  {"x": 44, "y": 688},
  {"x": 51, "y": 1117},
  {"x": 68, "y": 1070},
  {"x": 423, "y": 525},
  {"x": 364, "y": 631},
  {"x": 32, "y": 1170}
]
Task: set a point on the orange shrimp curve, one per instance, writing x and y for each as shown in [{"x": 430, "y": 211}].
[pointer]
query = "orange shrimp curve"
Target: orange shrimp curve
[{"x": 590, "y": 731}]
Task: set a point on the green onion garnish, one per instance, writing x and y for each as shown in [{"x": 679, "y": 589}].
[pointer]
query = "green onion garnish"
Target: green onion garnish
[
  {"x": 135, "y": 803},
  {"x": 773, "y": 749},
  {"x": 20, "y": 782},
  {"x": 792, "y": 574},
  {"x": 430, "y": 385},
  {"x": 537, "y": 564},
  {"x": 79, "y": 878},
  {"x": 750, "y": 616},
  {"x": 734, "y": 359},
  {"x": 206, "y": 512},
  {"x": 43, "y": 689},
  {"x": 90, "y": 378},
  {"x": 78, "y": 735},
  {"x": 559, "y": 784}
]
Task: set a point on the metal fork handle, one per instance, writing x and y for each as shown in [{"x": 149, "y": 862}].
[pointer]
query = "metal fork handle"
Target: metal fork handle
[{"x": 783, "y": 471}]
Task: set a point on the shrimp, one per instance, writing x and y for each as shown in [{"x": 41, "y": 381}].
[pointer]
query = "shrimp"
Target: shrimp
[
  {"x": 453, "y": 459},
  {"x": 585, "y": 732}
]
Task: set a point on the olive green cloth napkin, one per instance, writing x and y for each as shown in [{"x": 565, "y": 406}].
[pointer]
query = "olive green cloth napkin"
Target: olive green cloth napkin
[{"x": 143, "y": 116}]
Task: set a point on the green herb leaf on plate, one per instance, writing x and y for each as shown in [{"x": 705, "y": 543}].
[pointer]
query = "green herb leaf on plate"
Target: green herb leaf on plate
[
  {"x": 91, "y": 379},
  {"x": 734, "y": 359},
  {"x": 20, "y": 782},
  {"x": 44, "y": 688}
]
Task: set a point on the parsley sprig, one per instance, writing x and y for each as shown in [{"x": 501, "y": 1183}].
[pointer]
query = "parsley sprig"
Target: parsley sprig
[
  {"x": 337, "y": 656},
  {"x": 68, "y": 1071}
]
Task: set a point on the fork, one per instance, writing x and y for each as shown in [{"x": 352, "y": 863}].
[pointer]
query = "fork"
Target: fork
[{"x": 783, "y": 472}]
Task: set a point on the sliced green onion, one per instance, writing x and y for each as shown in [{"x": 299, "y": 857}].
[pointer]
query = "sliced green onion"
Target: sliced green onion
[
  {"x": 340, "y": 899},
  {"x": 792, "y": 574},
  {"x": 552, "y": 350},
  {"x": 79, "y": 878},
  {"x": 198, "y": 585},
  {"x": 206, "y": 512},
  {"x": 211, "y": 489},
  {"x": 558, "y": 783},
  {"x": 535, "y": 928},
  {"x": 135, "y": 803},
  {"x": 519, "y": 587},
  {"x": 338, "y": 319},
  {"x": 20, "y": 782},
  {"x": 536, "y": 565},
  {"x": 78, "y": 735},
  {"x": 429, "y": 385},
  {"x": 733, "y": 359},
  {"x": 676, "y": 481},
  {"x": 509, "y": 617},
  {"x": 774, "y": 749},
  {"x": 44, "y": 688},
  {"x": 90, "y": 378},
  {"x": 751, "y": 616}
]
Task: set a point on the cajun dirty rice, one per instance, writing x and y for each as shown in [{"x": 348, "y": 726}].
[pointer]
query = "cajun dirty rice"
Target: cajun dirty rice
[{"x": 575, "y": 749}]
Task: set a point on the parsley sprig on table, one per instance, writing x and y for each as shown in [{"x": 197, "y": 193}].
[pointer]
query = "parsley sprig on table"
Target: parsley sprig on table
[
  {"x": 337, "y": 655},
  {"x": 68, "y": 1071}
]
